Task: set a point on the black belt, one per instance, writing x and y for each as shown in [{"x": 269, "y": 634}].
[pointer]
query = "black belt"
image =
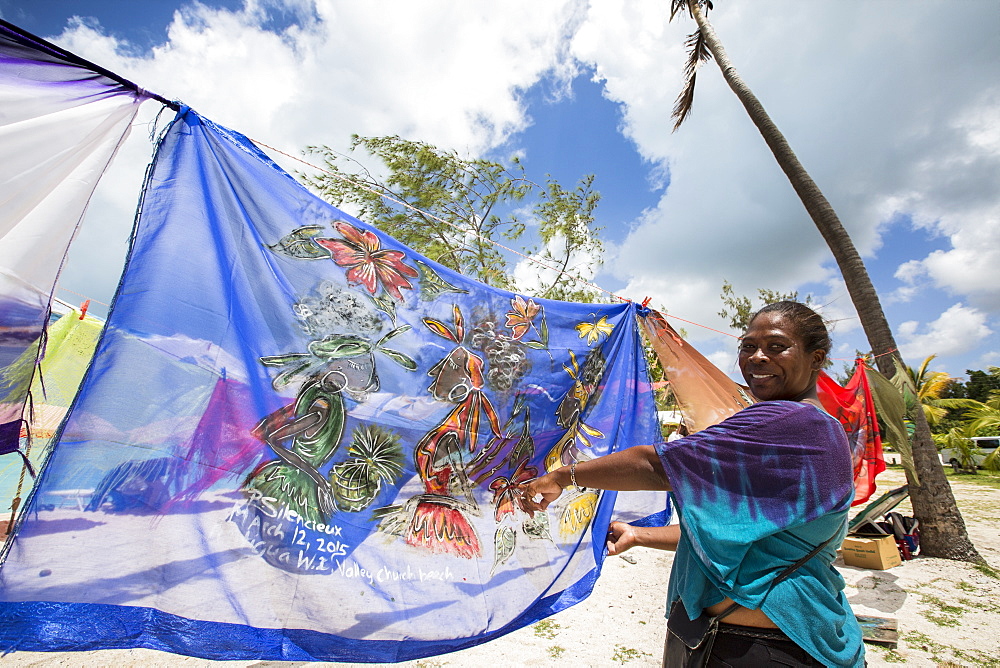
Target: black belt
[{"x": 752, "y": 632}]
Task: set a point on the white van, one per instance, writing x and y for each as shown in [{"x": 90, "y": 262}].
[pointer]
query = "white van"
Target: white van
[{"x": 985, "y": 445}]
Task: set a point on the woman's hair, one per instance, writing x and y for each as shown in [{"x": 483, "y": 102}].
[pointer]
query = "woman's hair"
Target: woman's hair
[{"x": 808, "y": 323}]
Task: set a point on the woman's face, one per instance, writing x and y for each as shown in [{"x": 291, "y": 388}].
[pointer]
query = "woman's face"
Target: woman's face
[{"x": 774, "y": 361}]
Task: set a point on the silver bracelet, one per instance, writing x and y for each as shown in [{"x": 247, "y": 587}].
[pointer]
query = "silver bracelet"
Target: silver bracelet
[{"x": 572, "y": 477}]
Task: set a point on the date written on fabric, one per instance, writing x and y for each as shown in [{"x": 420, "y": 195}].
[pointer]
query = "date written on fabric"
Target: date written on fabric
[{"x": 285, "y": 539}]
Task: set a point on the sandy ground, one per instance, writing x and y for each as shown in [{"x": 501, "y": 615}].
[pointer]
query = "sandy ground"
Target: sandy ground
[{"x": 948, "y": 613}]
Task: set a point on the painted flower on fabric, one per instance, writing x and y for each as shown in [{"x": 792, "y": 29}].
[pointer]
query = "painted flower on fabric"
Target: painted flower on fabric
[
  {"x": 593, "y": 330},
  {"x": 367, "y": 263},
  {"x": 520, "y": 317},
  {"x": 506, "y": 491}
]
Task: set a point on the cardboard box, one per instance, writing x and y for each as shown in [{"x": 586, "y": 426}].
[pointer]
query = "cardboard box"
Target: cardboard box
[{"x": 869, "y": 552}]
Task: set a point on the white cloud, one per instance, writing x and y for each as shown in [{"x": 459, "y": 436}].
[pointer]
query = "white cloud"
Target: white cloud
[
  {"x": 449, "y": 73},
  {"x": 888, "y": 123},
  {"x": 913, "y": 276},
  {"x": 988, "y": 359},
  {"x": 444, "y": 72},
  {"x": 725, "y": 360},
  {"x": 958, "y": 330}
]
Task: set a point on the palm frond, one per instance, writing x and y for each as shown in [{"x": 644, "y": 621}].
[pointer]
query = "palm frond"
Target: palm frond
[
  {"x": 698, "y": 53},
  {"x": 984, "y": 418},
  {"x": 957, "y": 402},
  {"x": 676, "y": 6},
  {"x": 992, "y": 461},
  {"x": 934, "y": 384},
  {"x": 934, "y": 414},
  {"x": 922, "y": 371},
  {"x": 994, "y": 399}
]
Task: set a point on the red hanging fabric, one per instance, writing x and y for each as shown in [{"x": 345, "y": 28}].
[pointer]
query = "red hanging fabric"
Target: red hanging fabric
[{"x": 854, "y": 407}]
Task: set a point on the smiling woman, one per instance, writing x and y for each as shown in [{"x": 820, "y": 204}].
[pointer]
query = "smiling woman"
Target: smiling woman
[
  {"x": 762, "y": 498},
  {"x": 782, "y": 352}
]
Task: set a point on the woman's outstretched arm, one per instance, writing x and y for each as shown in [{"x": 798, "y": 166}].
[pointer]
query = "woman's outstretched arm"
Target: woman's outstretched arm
[{"x": 635, "y": 468}]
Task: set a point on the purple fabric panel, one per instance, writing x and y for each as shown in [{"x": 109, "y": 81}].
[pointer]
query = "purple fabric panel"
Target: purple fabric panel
[
  {"x": 10, "y": 434},
  {"x": 36, "y": 60}
]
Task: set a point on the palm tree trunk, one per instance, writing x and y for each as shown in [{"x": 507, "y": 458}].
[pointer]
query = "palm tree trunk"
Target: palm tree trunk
[{"x": 942, "y": 529}]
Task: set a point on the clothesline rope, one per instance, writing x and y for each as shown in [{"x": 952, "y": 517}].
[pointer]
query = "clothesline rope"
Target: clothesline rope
[{"x": 96, "y": 301}]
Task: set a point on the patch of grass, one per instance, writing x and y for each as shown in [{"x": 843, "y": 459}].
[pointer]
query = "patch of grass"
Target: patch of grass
[
  {"x": 546, "y": 629},
  {"x": 917, "y": 638},
  {"x": 976, "y": 658},
  {"x": 892, "y": 656},
  {"x": 945, "y": 655},
  {"x": 940, "y": 613},
  {"x": 982, "y": 477},
  {"x": 985, "y": 569},
  {"x": 922, "y": 641},
  {"x": 965, "y": 586},
  {"x": 927, "y": 583},
  {"x": 940, "y": 620},
  {"x": 941, "y": 605},
  {"x": 556, "y": 651},
  {"x": 625, "y": 654}
]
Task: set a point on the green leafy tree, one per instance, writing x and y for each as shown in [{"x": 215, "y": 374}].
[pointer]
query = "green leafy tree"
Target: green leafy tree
[
  {"x": 456, "y": 210},
  {"x": 985, "y": 416},
  {"x": 982, "y": 419},
  {"x": 943, "y": 531},
  {"x": 737, "y": 309},
  {"x": 982, "y": 383},
  {"x": 977, "y": 391}
]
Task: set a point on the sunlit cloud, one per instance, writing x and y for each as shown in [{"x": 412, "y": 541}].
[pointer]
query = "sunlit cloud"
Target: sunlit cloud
[{"x": 958, "y": 330}]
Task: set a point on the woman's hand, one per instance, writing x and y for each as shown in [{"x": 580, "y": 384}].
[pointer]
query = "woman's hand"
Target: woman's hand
[
  {"x": 537, "y": 494},
  {"x": 621, "y": 536}
]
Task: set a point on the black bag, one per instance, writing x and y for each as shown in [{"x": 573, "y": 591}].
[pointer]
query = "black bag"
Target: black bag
[{"x": 690, "y": 641}]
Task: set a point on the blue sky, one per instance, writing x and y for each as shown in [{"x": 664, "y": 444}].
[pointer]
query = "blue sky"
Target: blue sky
[{"x": 900, "y": 128}]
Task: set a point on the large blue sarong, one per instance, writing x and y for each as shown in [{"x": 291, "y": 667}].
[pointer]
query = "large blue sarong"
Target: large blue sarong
[
  {"x": 755, "y": 493},
  {"x": 300, "y": 440}
]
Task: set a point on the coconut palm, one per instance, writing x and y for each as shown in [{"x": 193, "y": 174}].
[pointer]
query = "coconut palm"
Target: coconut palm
[
  {"x": 943, "y": 532},
  {"x": 959, "y": 441},
  {"x": 930, "y": 385},
  {"x": 986, "y": 415}
]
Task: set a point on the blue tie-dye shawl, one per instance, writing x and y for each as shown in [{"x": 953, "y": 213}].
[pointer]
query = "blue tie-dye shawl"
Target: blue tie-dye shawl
[{"x": 756, "y": 493}]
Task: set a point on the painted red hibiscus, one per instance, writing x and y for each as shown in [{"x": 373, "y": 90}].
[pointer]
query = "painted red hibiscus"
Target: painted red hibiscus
[{"x": 368, "y": 264}]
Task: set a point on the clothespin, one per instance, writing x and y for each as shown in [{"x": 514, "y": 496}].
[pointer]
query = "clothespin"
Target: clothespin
[
  {"x": 83, "y": 309},
  {"x": 643, "y": 310}
]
